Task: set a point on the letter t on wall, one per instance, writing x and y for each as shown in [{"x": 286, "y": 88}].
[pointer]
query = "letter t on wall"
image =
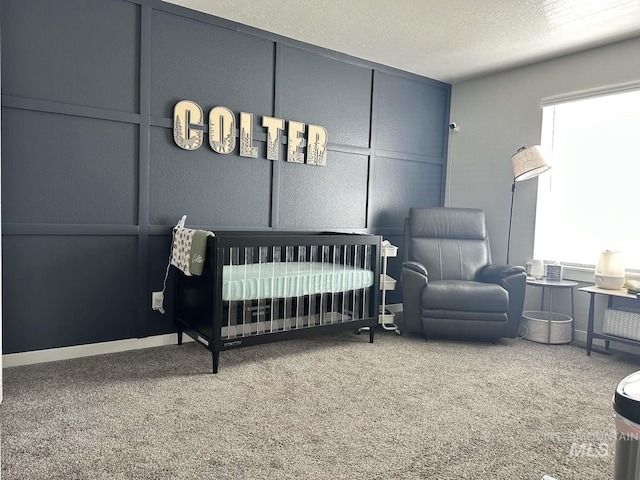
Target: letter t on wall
[
  {"x": 246, "y": 136},
  {"x": 274, "y": 126}
]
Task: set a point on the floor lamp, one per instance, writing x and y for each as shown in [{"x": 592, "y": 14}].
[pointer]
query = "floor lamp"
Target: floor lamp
[{"x": 528, "y": 162}]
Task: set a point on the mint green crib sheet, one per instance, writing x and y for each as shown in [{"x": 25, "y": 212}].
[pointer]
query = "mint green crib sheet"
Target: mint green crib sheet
[{"x": 290, "y": 279}]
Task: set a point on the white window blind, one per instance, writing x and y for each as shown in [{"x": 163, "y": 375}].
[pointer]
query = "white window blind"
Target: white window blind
[{"x": 590, "y": 200}]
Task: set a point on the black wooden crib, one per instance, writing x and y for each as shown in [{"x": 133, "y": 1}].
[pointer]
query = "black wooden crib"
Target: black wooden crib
[{"x": 259, "y": 287}]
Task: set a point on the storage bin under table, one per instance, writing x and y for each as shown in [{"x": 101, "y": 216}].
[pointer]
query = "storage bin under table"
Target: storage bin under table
[
  {"x": 622, "y": 322},
  {"x": 547, "y": 327}
]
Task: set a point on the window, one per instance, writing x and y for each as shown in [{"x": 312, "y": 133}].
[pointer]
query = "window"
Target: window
[{"x": 590, "y": 200}]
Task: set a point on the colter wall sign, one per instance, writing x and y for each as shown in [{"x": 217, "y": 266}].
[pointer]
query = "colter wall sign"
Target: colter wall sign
[{"x": 188, "y": 116}]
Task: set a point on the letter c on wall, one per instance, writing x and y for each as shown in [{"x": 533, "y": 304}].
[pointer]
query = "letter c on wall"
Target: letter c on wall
[{"x": 185, "y": 114}]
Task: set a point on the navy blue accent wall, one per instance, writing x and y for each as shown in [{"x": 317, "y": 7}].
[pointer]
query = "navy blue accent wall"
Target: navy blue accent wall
[{"x": 92, "y": 181}]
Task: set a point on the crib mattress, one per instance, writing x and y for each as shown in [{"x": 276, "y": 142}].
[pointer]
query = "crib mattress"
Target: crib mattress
[{"x": 290, "y": 279}]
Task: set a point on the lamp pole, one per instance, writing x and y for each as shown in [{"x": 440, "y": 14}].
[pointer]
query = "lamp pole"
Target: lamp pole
[{"x": 513, "y": 192}]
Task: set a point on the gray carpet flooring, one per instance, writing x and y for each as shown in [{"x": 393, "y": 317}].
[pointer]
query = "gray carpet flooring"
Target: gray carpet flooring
[{"x": 329, "y": 407}]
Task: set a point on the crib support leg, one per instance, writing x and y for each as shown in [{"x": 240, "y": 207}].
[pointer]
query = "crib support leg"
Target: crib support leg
[
  {"x": 179, "y": 337},
  {"x": 216, "y": 359},
  {"x": 371, "y": 331}
]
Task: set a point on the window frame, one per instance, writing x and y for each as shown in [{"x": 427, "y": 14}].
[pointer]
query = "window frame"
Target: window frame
[{"x": 547, "y": 132}]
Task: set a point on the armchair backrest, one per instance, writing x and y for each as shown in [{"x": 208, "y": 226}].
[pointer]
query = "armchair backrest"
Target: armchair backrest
[{"x": 452, "y": 243}]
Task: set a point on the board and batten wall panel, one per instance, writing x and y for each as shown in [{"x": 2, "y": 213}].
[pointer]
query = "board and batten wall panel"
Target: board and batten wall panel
[
  {"x": 67, "y": 290},
  {"x": 77, "y": 171},
  {"x": 410, "y": 114},
  {"x": 72, "y": 51},
  {"x": 93, "y": 182}
]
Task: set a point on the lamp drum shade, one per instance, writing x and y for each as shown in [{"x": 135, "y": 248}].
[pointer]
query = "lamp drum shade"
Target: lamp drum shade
[
  {"x": 609, "y": 271},
  {"x": 528, "y": 163}
]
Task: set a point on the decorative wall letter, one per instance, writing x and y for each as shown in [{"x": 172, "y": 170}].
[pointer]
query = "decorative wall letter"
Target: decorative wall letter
[
  {"x": 222, "y": 130},
  {"x": 246, "y": 136},
  {"x": 274, "y": 126},
  {"x": 185, "y": 114},
  {"x": 317, "y": 145},
  {"x": 295, "y": 142}
]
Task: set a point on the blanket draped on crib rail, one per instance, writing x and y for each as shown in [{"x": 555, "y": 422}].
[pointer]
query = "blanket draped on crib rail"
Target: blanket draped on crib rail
[{"x": 188, "y": 250}]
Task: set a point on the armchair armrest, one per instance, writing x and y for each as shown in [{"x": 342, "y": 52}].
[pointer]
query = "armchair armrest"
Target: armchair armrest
[
  {"x": 514, "y": 280},
  {"x": 413, "y": 280},
  {"x": 497, "y": 273},
  {"x": 415, "y": 267}
]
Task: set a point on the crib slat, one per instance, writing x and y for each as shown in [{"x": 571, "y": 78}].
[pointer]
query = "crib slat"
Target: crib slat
[
  {"x": 336, "y": 257},
  {"x": 260, "y": 303},
  {"x": 366, "y": 261},
  {"x": 288, "y": 302},
  {"x": 311, "y": 299},
  {"x": 232, "y": 308},
  {"x": 246, "y": 328},
  {"x": 301, "y": 257},
  {"x": 356, "y": 293},
  {"x": 345, "y": 297},
  {"x": 323, "y": 296},
  {"x": 275, "y": 302}
]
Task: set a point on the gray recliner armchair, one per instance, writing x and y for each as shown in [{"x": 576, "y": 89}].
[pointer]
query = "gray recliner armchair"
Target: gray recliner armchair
[{"x": 449, "y": 286}]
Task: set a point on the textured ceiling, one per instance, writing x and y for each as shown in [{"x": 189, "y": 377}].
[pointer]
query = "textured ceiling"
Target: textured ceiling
[{"x": 447, "y": 40}]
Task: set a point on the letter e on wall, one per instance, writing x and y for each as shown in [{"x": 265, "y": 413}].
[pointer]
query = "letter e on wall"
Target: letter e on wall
[{"x": 295, "y": 142}]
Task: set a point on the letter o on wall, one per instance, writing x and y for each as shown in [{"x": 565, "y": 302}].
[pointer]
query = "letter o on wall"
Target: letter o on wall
[{"x": 222, "y": 130}]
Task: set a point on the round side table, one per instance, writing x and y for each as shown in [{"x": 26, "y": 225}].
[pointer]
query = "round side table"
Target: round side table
[{"x": 551, "y": 285}]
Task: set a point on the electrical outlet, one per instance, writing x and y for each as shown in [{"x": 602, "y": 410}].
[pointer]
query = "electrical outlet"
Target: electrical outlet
[{"x": 157, "y": 300}]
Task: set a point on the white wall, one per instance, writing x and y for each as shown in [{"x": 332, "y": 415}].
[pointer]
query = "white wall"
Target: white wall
[{"x": 499, "y": 113}]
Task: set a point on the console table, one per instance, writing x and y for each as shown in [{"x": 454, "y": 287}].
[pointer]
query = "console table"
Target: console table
[{"x": 610, "y": 294}]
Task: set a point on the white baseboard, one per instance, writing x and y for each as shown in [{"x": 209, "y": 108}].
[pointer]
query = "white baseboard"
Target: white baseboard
[{"x": 77, "y": 351}]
